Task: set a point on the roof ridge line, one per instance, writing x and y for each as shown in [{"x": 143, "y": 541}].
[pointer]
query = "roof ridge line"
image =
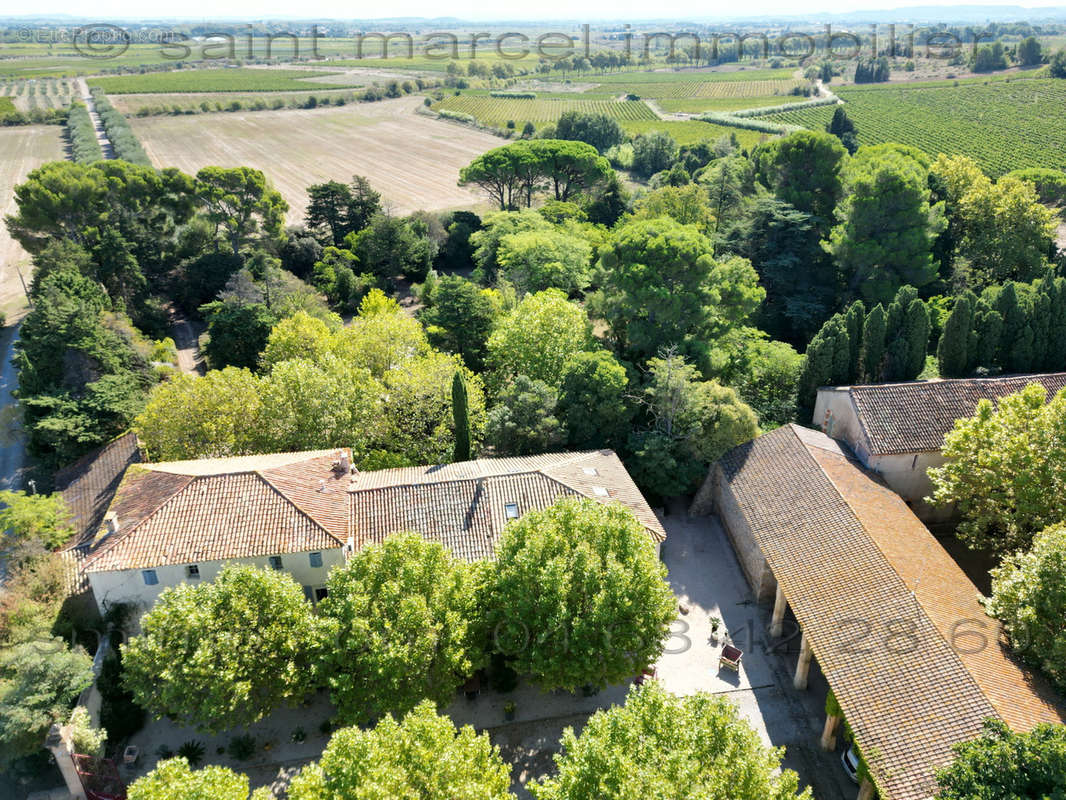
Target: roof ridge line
[
  {"x": 297, "y": 506},
  {"x": 123, "y": 535},
  {"x": 408, "y": 484},
  {"x": 903, "y": 582},
  {"x": 597, "y": 499}
]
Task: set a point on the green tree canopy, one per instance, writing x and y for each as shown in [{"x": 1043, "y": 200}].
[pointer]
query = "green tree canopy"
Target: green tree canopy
[
  {"x": 390, "y": 247},
  {"x": 523, "y": 421},
  {"x": 579, "y": 597},
  {"x": 659, "y": 745},
  {"x": 1002, "y": 765},
  {"x": 241, "y": 204},
  {"x": 39, "y": 682},
  {"x": 1029, "y": 51},
  {"x": 1003, "y": 231},
  {"x": 461, "y": 417},
  {"x": 237, "y": 333},
  {"x": 1057, "y": 65},
  {"x": 887, "y": 223},
  {"x": 460, "y": 318},
  {"x": 335, "y": 210},
  {"x": 43, "y": 518},
  {"x": 538, "y": 336},
  {"x": 486, "y": 242},
  {"x": 401, "y": 626},
  {"x": 323, "y": 386},
  {"x": 783, "y": 246},
  {"x": 226, "y": 652},
  {"x": 418, "y": 420},
  {"x": 82, "y": 368},
  {"x": 1003, "y": 469},
  {"x": 653, "y": 152},
  {"x": 692, "y": 423},
  {"x": 226, "y": 421},
  {"x": 689, "y": 205},
  {"x": 663, "y": 288},
  {"x": 1029, "y": 596},
  {"x": 173, "y": 779},
  {"x": 545, "y": 259},
  {"x": 599, "y": 130},
  {"x": 423, "y": 755},
  {"x": 592, "y": 401},
  {"x": 514, "y": 173},
  {"x": 805, "y": 172}
]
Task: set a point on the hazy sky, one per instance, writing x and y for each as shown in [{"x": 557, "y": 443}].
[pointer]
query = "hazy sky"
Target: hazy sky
[{"x": 473, "y": 9}]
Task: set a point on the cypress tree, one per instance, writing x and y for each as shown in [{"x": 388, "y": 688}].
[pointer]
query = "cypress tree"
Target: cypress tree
[
  {"x": 461, "y": 417},
  {"x": 854, "y": 319},
  {"x": 952, "y": 351},
  {"x": 915, "y": 338},
  {"x": 1016, "y": 337},
  {"x": 1039, "y": 313},
  {"x": 826, "y": 361},
  {"x": 1055, "y": 355},
  {"x": 873, "y": 344},
  {"x": 988, "y": 325},
  {"x": 897, "y": 352}
]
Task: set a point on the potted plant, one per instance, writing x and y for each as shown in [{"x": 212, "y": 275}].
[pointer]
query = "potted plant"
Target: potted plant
[
  {"x": 716, "y": 622},
  {"x": 509, "y": 709}
]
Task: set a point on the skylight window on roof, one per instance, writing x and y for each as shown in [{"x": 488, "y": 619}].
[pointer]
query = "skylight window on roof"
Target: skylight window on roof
[
  {"x": 511, "y": 510},
  {"x": 589, "y": 470},
  {"x": 599, "y": 491}
]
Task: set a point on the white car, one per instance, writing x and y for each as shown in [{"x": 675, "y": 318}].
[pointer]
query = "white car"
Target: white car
[{"x": 850, "y": 760}]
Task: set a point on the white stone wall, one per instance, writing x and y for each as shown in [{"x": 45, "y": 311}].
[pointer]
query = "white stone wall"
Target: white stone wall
[
  {"x": 906, "y": 474},
  {"x": 756, "y": 570},
  {"x": 128, "y": 586},
  {"x": 834, "y": 415}
]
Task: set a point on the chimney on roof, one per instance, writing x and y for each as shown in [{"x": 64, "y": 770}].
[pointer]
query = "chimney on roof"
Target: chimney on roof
[
  {"x": 111, "y": 522},
  {"x": 345, "y": 462}
]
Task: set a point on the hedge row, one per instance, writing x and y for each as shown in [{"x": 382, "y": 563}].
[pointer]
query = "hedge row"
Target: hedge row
[
  {"x": 458, "y": 116},
  {"x": 748, "y": 123},
  {"x": 760, "y": 112},
  {"x": 124, "y": 143},
  {"x": 82, "y": 135}
]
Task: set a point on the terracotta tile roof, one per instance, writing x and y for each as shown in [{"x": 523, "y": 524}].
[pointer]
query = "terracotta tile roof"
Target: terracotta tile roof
[
  {"x": 462, "y": 505},
  {"x": 878, "y": 598},
  {"x": 247, "y": 506},
  {"x": 187, "y": 512},
  {"x": 466, "y": 516},
  {"x": 89, "y": 484},
  {"x": 913, "y": 417}
]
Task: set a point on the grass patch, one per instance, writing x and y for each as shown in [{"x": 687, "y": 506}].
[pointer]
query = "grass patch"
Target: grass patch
[{"x": 692, "y": 131}]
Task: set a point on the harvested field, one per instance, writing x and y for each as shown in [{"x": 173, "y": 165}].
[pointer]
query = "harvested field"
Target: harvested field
[
  {"x": 21, "y": 150},
  {"x": 413, "y": 160}
]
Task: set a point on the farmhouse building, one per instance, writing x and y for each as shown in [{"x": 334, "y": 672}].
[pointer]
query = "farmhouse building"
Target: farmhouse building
[
  {"x": 158, "y": 525},
  {"x": 897, "y": 429},
  {"x": 893, "y": 623}
]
